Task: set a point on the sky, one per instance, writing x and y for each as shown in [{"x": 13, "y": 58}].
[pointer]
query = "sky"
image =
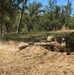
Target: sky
[{"x": 59, "y": 2}]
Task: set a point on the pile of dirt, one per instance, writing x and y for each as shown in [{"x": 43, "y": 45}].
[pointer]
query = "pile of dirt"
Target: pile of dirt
[{"x": 34, "y": 60}]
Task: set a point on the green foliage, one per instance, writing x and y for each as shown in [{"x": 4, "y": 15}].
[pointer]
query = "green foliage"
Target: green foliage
[
  {"x": 70, "y": 37},
  {"x": 33, "y": 17},
  {"x": 71, "y": 23}
]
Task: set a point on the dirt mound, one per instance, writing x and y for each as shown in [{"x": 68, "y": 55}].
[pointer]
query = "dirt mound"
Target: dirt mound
[
  {"x": 34, "y": 50},
  {"x": 34, "y": 60},
  {"x": 40, "y": 61}
]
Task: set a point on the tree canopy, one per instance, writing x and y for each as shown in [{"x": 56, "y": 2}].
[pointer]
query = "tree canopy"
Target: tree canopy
[{"x": 25, "y": 16}]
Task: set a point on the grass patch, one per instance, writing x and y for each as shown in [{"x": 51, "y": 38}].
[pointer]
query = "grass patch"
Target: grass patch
[{"x": 27, "y": 37}]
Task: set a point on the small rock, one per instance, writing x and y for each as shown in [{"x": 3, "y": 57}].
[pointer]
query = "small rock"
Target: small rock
[
  {"x": 67, "y": 64},
  {"x": 49, "y": 38},
  {"x": 60, "y": 65},
  {"x": 51, "y": 64},
  {"x": 63, "y": 44},
  {"x": 64, "y": 53},
  {"x": 23, "y": 45},
  {"x": 11, "y": 42}
]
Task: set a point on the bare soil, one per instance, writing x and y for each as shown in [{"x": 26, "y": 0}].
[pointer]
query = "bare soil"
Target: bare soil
[
  {"x": 62, "y": 31},
  {"x": 34, "y": 60}
]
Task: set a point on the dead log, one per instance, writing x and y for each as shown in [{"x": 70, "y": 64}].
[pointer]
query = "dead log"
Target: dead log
[{"x": 23, "y": 45}]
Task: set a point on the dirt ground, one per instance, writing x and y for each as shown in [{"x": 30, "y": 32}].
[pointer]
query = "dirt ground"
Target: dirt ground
[
  {"x": 34, "y": 60},
  {"x": 62, "y": 31}
]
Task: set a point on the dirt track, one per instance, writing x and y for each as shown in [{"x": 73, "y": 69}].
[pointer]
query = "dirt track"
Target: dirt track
[
  {"x": 34, "y": 60},
  {"x": 62, "y": 31}
]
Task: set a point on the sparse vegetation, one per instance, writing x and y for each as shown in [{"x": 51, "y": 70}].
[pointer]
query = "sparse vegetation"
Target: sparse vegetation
[
  {"x": 24, "y": 28},
  {"x": 24, "y": 16}
]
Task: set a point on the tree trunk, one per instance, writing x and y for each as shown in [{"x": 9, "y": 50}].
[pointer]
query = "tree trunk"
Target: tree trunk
[
  {"x": 7, "y": 28},
  {"x": 21, "y": 15},
  {"x": 19, "y": 23},
  {"x": 66, "y": 23},
  {"x": 0, "y": 19},
  {"x": 0, "y": 26}
]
